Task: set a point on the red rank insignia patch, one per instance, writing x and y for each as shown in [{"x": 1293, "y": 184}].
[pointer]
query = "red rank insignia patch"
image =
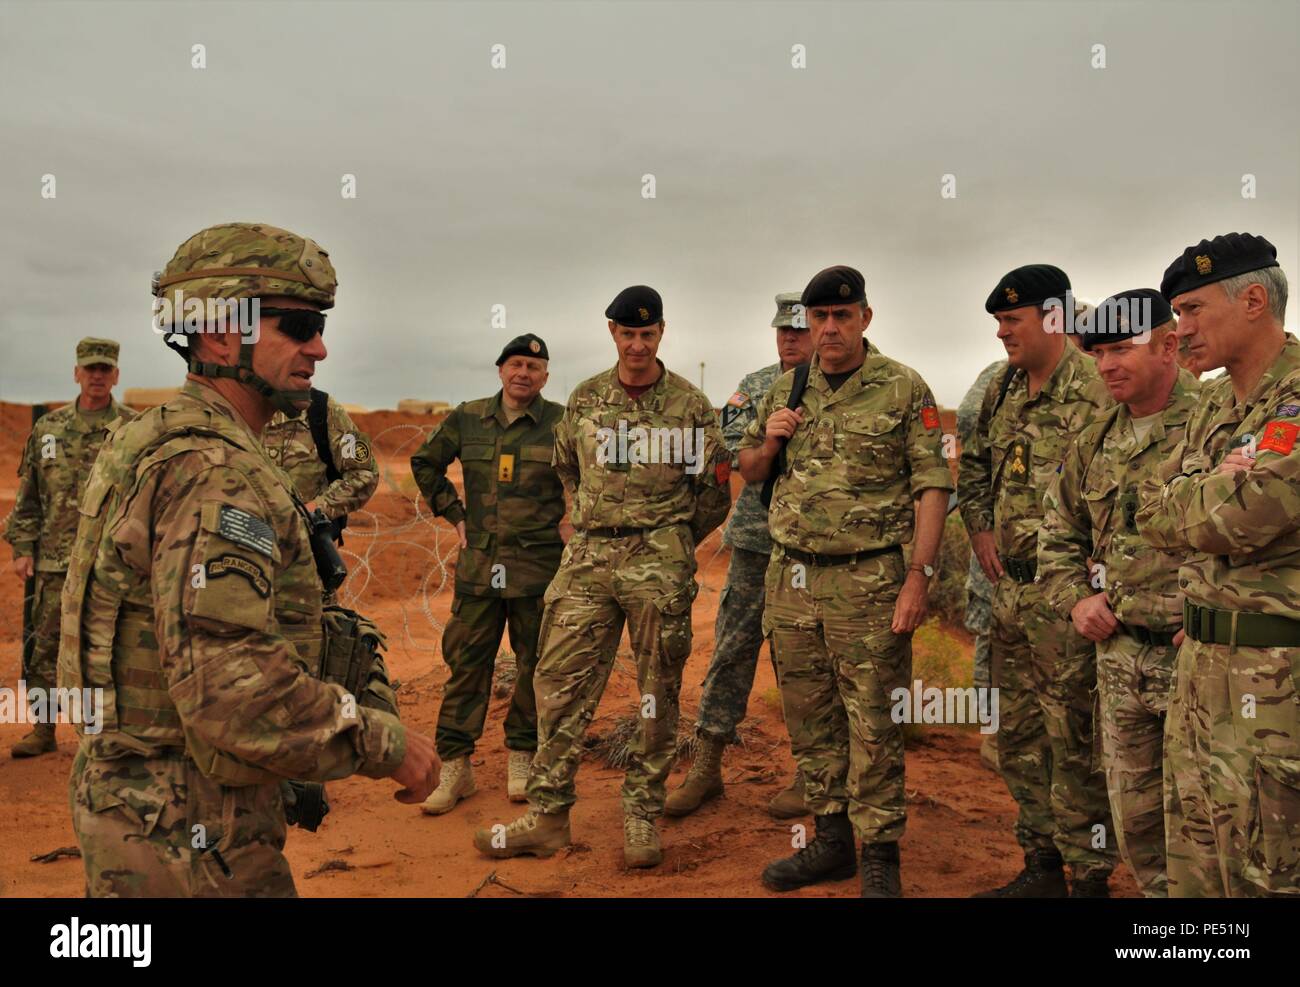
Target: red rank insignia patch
[
  {"x": 930, "y": 417},
  {"x": 723, "y": 472},
  {"x": 1279, "y": 437}
]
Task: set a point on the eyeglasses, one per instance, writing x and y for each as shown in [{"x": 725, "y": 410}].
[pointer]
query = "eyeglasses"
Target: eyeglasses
[{"x": 300, "y": 324}]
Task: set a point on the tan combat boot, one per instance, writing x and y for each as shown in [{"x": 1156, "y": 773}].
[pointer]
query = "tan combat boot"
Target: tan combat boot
[
  {"x": 517, "y": 767},
  {"x": 39, "y": 741},
  {"x": 789, "y": 804},
  {"x": 455, "y": 783},
  {"x": 641, "y": 842},
  {"x": 703, "y": 781},
  {"x": 538, "y": 834}
]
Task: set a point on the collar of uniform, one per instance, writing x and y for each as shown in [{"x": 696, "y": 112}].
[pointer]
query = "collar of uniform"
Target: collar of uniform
[
  {"x": 78, "y": 422},
  {"x": 496, "y": 409},
  {"x": 211, "y": 397},
  {"x": 870, "y": 368},
  {"x": 1057, "y": 385},
  {"x": 1287, "y": 362},
  {"x": 653, "y": 398}
]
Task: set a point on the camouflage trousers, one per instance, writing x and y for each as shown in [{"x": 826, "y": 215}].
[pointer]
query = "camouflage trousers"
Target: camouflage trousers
[
  {"x": 979, "y": 617},
  {"x": 1232, "y": 772},
  {"x": 142, "y": 824},
  {"x": 1133, "y": 682},
  {"x": 648, "y": 581},
  {"x": 737, "y": 640},
  {"x": 41, "y": 669},
  {"x": 837, "y": 662},
  {"x": 1045, "y": 673},
  {"x": 469, "y": 646}
]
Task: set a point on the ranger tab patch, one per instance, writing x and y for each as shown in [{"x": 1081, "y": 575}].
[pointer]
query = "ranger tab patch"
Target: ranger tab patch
[
  {"x": 224, "y": 565},
  {"x": 246, "y": 529}
]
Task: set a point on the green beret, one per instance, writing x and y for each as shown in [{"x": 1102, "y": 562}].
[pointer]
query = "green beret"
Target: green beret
[
  {"x": 525, "y": 345},
  {"x": 92, "y": 350},
  {"x": 835, "y": 286},
  {"x": 785, "y": 303},
  {"x": 1032, "y": 284},
  {"x": 1216, "y": 260},
  {"x": 1125, "y": 315},
  {"x": 636, "y": 307}
]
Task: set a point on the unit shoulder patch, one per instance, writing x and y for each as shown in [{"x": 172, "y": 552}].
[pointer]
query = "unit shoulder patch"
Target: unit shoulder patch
[{"x": 246, "y": 529}]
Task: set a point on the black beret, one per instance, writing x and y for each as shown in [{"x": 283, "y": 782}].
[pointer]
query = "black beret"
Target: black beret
[
  {"x": 1032, "y": 284},
  {"x": 636, "y": 307},
  {"x": 1214, "y": 260},
  {"x": 1124, "y": 315},
  {"x": 834, "y": 286},
  {"x": 525, "y": 345}
]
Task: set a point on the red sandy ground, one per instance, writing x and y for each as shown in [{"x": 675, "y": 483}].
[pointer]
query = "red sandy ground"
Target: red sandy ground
[{"x": 958, "y": 838}]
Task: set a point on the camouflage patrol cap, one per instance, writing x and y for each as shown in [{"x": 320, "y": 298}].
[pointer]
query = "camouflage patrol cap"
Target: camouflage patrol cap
[
  {"x": 248, "y": 260},
  {"x": 92, "y": 350},
  {"x": 785, "y": 303}
]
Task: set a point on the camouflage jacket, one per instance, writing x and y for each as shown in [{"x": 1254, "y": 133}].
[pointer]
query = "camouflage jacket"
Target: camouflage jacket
[
  {"x": 968, "y": 412},
  {"x": 192, "y": 599},
  {"x": 747, "y": 527},
  {"x": 1015, "y": 453},
  {"x": 860, "y": 457},
  {"x": 290, "y": 445},
  {"x": 621, "y": 474},
  {"x": 1239, "y": 532},
  {"x": 56, "y": 461},
  {"x": 514, "y": 496},
  {"x": 1090, "y": 512}
]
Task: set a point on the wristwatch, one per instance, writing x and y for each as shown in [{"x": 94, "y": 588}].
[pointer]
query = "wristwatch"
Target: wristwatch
[{"x": 925, "y": 568}]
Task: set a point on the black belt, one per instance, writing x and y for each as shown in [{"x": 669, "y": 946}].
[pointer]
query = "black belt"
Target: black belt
[
  {"x": 1146, "y": 635},
  {"x": 816, "y": 558},
  {"x": 617, "y": 532},
  {"x": 1239, "y": 628},
  {"x": 1021, "y": 570}
]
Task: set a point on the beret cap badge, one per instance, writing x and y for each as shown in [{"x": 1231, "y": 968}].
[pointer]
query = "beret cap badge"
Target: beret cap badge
[
  {"x": 1012, "y": 295},
  {"x": 535, "y": 346},
  {"x": 845, "y": 290},
  {"x": 1203, "y": 264},
  {"x": 643, "y": 312}
]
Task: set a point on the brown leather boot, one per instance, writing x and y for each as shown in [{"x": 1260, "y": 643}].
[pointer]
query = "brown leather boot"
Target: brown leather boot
[
  {"x": 39, "y": 741},
  {"x": 703, "y": 781}
]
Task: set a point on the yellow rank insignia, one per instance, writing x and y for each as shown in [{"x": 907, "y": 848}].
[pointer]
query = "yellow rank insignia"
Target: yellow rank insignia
[
  {"x": 1203, "y": 265},
  {"x": 1018, "y": 461},
  {"x": 506, "y": 468}
]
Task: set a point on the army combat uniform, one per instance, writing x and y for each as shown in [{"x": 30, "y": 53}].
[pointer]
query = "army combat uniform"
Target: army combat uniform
[
  {"x": 1044, "y": 669},
  {"x": 738, "y": 629},
  {"x": 632, "y": 558},
  {"x": 1232, "y": 740},
  {"x": 290, "y": 445},
  {"x": 513, "y": 505},
  {"x": 840, "y": 513},
  {"x": 1090, "y": 513},
  {"x": 56, "y": 461}
]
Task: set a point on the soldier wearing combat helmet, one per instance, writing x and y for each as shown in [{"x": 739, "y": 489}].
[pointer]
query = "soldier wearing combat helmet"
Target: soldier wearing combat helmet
[{"x": 193, "y": 601}]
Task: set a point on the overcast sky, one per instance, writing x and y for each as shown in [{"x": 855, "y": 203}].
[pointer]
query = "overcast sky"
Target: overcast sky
[{"x": 522, "y": 186}]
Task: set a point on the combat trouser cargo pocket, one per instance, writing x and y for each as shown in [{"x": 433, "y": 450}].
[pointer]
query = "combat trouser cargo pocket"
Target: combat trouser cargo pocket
[
  {"x": 1273, "y": 856},
  {"x": 675, "y": 622}
]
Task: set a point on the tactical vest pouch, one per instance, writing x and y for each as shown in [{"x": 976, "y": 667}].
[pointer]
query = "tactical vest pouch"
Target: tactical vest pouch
[{"x": 351, "y": 657}]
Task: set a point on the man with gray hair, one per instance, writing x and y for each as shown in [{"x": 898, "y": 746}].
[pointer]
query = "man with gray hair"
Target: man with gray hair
[
  {"x": 738, "y": 630},
  {"x": 1228, "y": 500}
]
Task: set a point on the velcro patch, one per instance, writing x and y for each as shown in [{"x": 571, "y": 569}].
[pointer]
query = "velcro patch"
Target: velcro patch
[
  {"x": 246, "y": 529},
  {"x": 1288, "y": 411},
  {"x": 224, "y": 565},
  {"x": 738, "y": 400},
  {"x": 1279, "y": 437},
  {"x": 722, "y": 472},
  {"x": 930, "y": 417}
]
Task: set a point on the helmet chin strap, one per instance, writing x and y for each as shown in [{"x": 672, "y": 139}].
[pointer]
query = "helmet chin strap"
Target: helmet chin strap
[{"x": 282, "y": 400}]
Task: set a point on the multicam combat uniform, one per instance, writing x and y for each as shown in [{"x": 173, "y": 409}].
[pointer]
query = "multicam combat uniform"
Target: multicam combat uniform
[
  {"x": 515, "y": 503},
  {"x": 56, "y": 461},
  {"x": 1232, "y": 740},
  {"x": 738, "y": 629},
  {"x": 1044, "y": 669},
  {"x": 979, "y": 591},
  {"x": 632, "y": 558},
  {"x": 290, "y": 445},
  {"x": 840, "y": 513},
  {"x": 1090, "y": 513},
  {"x": 192, "y": 601}
]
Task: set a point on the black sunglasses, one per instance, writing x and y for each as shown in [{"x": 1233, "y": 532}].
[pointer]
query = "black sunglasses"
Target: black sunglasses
[{"x": 299, "y": 324}]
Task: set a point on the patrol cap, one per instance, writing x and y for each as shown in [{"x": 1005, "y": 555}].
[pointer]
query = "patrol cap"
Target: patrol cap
[
  {"x": 636, "y": 307},
  {"x": 835, "y": 286},
  {"x": 1124, "y": 315},
  {"x": 785, "y": 303},
  {"x": 1214, "y": 260},
  {"x": 525, "y": 345},
  {"x": 1032, "y": 284},
  {"x": 92, "y": 350}
]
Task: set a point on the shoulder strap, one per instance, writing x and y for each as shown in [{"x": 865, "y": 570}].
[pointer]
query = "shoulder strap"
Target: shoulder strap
[
  {"x": 1006, "y": 386},
  {"x": 317, "y": 418},
  {"x": 797, "y": 387}
]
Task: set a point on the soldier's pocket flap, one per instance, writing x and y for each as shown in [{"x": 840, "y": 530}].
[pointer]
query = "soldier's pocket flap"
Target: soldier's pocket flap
[
  {"x": 141, "y": 805},
  {"x": 678, "y": 603},
  {"x": 477, "y": 453},
  {"x": 536, "y": 454},
  {"x": 540, "y": 539},
  {"x": 1104, "y": 488},
  {"x": 1284, "y": 770},
  {"x": 881, "y": 423},
  {"x": 1273, "y": 857},
  {"x": 478, "y": 539}
]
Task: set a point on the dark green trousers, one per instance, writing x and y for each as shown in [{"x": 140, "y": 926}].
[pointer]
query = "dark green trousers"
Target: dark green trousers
[{"x": 469, "y": 646}]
